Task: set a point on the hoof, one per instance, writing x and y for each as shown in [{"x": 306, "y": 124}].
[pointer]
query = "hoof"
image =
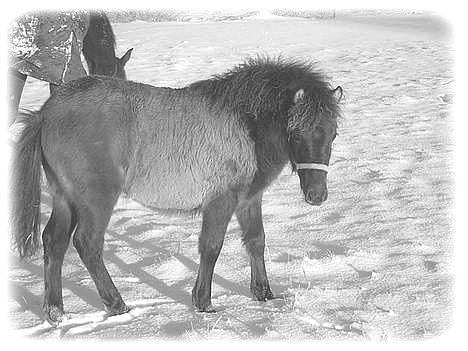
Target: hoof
[
  {"x": 202, "y": 304},
  {"x": 262, "y": 294},
  {"x": 114, "y": 311},
  {"x": 207, "y": 309},
  {"x": 54, "y": 315}
]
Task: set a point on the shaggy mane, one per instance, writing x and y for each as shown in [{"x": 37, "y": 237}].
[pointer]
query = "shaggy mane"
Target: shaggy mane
[{"x": 263, "y": 88}]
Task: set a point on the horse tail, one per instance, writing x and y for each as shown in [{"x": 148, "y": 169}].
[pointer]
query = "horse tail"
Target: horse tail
[
  {"x": 99, "y": 44},
  {"x": 25, "y": 185}
]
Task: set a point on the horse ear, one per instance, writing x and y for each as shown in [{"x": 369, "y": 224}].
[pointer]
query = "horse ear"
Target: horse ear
[
  {"x": 338, "y": 93},
  {"x": 124, "y": 59},
  {"x": 298, "y": 96}
]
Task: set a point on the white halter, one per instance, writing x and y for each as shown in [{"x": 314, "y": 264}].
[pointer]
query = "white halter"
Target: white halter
[{"x": 319, "y": 166}]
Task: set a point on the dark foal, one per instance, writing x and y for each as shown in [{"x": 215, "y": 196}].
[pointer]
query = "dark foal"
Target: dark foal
[{"x": 212, "y": 147}]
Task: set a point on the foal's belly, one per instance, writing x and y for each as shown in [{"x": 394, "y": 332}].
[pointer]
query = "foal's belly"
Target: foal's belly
[
  {"x": 174, "y": 193},
  {"x": 172, "y": 189},
  {"x": 182, "y": 161}
]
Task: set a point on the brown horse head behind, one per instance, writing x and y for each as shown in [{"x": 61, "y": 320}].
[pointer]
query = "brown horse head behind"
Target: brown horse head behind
[{"x": 99, "y": 48}]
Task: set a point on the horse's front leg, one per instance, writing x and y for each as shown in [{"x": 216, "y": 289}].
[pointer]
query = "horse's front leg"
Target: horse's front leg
[
  {"x": 216, "y": 217},
  {"x": 253, "y": 236}
]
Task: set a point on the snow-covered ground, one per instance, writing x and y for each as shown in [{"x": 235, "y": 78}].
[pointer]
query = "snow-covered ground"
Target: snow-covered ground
[{"x": 373, "y": 262}]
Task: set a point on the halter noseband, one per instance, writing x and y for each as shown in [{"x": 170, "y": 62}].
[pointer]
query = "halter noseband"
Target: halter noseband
[{"x": 319, "y": 166}]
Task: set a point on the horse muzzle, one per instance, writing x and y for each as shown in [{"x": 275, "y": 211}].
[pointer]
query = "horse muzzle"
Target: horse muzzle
[{"x": 314, "y": 186}]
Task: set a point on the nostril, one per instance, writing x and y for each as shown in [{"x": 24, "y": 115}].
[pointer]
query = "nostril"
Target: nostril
[
  {"x": 313, "y": 197},
  {"x": 316, "y": 197}
]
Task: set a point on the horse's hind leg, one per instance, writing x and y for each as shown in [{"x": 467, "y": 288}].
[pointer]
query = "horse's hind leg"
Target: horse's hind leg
[
  {"x": 216, "y": 217},
  {"x": 93, "y": 217},
  {"x": 55, "y": 239},
  {"x": 250, "y": 220}
]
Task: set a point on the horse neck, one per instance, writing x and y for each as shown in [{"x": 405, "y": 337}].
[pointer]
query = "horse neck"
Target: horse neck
[
  {"x": 272, "y": 147},
  {"x": 272, "y": 155}
]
